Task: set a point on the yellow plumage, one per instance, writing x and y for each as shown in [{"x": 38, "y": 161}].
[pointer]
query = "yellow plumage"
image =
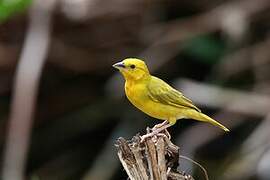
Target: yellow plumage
[{"x": 155, "y": 97}]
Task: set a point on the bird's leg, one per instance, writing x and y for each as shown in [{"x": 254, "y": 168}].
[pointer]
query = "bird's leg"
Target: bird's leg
[
  {"x": 154, "y": 132},
  {"x": 167, "y": 133},
  {"x": 157, "y": 126},
  {"x": 160, "y": 125}
]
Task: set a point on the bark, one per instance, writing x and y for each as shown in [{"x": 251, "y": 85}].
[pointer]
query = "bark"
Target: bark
[{"x": 154, "y": 159}]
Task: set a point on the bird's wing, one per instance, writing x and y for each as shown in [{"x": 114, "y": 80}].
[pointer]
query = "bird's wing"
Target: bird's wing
[{"x": 160, "y": 91}]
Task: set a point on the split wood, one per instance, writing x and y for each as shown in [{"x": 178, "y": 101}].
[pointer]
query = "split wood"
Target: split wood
[{"x": 154, "y": 159}]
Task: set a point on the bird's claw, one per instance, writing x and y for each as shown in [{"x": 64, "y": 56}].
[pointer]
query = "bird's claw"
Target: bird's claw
[
  {"x": 167, "y": 134},
  {"x": 157, "y": 126},
  {"x": 154, "y": 134},
  {"x": 144, "y": 137}
]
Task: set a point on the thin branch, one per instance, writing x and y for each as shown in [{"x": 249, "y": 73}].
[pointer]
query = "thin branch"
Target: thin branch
[
  {"x": 25, "y": 89},
  {"x": 198, "y": 164}
]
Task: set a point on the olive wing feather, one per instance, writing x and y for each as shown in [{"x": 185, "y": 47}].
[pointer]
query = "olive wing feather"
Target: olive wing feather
[{"x": 160, "y": 91}]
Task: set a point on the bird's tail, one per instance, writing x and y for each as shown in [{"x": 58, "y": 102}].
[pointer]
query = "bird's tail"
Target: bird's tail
[{"x": 202, "y": 117}]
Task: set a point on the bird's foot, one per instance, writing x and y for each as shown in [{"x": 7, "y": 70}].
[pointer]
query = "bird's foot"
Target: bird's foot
[
  {"x": 156, "y": 132},
  {"x": 157, "y": 126},
  {"x": 164, "y": 134},
  {"x": 144, "y": 137},
  {"x": 167, "y": 134}
]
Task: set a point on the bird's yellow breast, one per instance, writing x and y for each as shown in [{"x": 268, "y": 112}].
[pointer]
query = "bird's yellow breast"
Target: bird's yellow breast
[{"x": 138, "y": 95}]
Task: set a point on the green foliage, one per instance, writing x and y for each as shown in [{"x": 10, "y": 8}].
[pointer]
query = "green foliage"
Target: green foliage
[
  {"x": 12, "y": 7},
  {"x": 206, "y": 48}
]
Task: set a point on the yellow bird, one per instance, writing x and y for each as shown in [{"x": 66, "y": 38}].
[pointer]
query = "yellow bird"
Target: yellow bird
[{"x": 156, "y": 98}]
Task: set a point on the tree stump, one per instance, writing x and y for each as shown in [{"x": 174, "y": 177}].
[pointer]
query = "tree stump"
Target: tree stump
[{"x": 154, "y": 159}]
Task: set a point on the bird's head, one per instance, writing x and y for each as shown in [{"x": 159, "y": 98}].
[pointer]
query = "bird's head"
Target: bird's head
[{"x": 132, "y": 69}]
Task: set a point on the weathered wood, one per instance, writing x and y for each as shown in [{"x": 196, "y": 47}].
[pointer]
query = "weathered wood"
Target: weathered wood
[
  {"x": 136, "y": 150},
  {"x": 160, "y": 148},
  {"x": 127, "y": 159},
  {"x": 154, "y": 159}
]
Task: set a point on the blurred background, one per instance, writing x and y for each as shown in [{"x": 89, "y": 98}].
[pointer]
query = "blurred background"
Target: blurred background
[{"x": 62, "y": 105}]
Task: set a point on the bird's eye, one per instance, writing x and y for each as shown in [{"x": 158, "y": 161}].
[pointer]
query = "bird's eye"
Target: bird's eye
[{"x": 132, "y": 66}]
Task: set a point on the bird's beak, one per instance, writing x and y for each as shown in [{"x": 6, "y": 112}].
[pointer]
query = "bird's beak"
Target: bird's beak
[{"x": 119, "y": 65}]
